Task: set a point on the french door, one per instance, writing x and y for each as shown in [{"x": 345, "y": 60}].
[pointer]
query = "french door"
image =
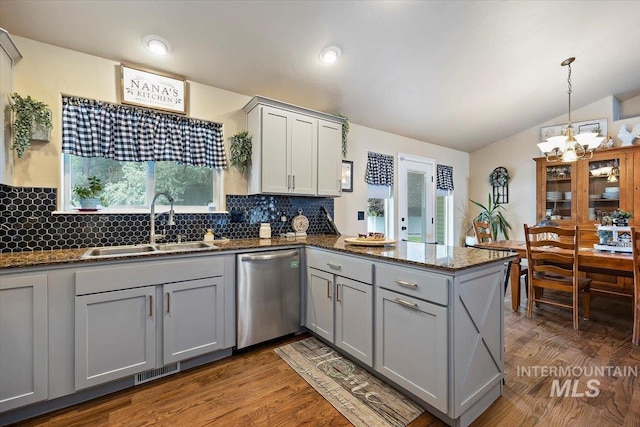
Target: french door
[{"x": 416, "y": 198}]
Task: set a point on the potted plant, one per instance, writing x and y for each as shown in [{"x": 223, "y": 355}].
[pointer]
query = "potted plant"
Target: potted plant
[
  {"x": 240, "y": 150},
  {"x": 89, "y": 195},
  {"x": 492, "y": 213},
  {"x": 621, "y": 218},
  {"x": 28, "y": 113}
]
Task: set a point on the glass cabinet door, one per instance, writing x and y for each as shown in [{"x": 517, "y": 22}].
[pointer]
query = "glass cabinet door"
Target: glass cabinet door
[
  {"x": 604, "y": 187},
  {"x": 559, "y": 195}
]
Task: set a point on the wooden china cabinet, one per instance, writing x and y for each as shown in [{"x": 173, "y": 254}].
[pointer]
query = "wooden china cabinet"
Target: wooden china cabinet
[{"x": 582, "y": 192}]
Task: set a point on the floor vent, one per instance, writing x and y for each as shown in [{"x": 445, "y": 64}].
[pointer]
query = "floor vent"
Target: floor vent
[{"x": 145, "y": 377}]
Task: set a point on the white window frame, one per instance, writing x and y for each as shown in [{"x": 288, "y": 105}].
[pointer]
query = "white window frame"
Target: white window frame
[{"x": 218, "y": 198}]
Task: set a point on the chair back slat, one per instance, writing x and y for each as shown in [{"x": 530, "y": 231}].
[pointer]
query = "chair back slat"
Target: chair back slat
[{"x": 482, "y": 230}]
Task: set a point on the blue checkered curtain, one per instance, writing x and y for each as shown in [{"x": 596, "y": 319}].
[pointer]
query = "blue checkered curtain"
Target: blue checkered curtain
[
  {"x": 99, "y": 129},
  {"x": 444, "y": 177},
  {"x": 379, "y": 169}
]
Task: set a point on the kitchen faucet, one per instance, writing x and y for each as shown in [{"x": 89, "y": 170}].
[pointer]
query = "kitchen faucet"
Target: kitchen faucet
[{"x": 152, "y": 235}]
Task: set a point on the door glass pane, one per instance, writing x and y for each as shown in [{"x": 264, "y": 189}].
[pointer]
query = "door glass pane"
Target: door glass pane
[
  {"x": 559, "y": 196},
  {"x": 416, "y": 227},
  {"x": 604, "y": 187}
]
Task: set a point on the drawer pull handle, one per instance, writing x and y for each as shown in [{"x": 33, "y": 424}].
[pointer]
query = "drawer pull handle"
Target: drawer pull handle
[
  {"x": 406, "y": 284},
  {"x": 334, "y": 266},
  {"x": 406, "y": 303}
]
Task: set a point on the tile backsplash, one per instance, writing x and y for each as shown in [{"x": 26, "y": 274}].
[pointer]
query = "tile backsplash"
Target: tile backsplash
[{"x": 27, "y": 222}]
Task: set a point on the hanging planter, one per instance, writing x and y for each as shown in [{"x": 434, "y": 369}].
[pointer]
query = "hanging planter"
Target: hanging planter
[
  {"x": 240, "y": 150},
  {"x": 29, "y": 116}
]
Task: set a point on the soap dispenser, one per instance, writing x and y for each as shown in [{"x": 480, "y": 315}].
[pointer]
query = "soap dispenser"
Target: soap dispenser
[{"x": 208, "y": 236}]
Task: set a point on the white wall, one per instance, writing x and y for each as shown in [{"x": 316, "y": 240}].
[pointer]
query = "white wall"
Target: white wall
[
  {"x": 48, "y": 71},
  {"x": 516, "y": 153},
  {"x": 361, "y": 140}
]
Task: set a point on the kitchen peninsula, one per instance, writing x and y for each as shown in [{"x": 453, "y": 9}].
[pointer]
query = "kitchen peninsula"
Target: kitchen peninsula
[{"x": 451, "y": 361}]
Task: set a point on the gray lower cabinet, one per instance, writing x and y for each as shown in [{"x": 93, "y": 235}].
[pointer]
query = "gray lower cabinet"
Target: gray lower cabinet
[
  {"x": 134, "y": 317},
  {"x": 114, "y": 335},
  {"x": 320, "y": 303},
  {"x": 23, "y": 340},
  {"x": 354, "y": 318},
  {"x": 339, "y": 308},
  {"x": 411, "y": 345},
  {"x": 193, "y": 318}
]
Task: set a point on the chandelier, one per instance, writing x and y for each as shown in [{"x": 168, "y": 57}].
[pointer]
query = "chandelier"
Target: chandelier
[{"x": 570, "y": 147}]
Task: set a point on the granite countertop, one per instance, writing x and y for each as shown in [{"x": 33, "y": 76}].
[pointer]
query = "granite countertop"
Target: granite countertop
[{"x": 449, "y": 258}]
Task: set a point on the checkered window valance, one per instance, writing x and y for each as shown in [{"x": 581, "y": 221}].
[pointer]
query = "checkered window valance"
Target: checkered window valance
[
  {"x": 379, "y": 169},
  {"x": 100, "y": 129},
  {"x": 444, "y": 177}
]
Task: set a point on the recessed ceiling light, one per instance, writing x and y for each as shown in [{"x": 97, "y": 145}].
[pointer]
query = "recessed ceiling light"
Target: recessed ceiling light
[
  {"x": 156, "y": 44},
  {"x": 330, "y": 54}
]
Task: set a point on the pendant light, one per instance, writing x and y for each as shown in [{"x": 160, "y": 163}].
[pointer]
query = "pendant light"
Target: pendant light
[{"x": 567, "y": 147}]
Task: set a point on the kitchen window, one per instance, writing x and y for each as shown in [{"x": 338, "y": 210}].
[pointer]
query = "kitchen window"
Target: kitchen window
[
  {"x": 130, "y": 186},
  {"x": 138, "y": 152}
]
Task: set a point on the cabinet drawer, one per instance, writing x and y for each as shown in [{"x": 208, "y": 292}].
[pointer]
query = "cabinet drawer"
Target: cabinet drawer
[
  {"x": 341, "y": 265},
  {"x": 413, "y": 282}
]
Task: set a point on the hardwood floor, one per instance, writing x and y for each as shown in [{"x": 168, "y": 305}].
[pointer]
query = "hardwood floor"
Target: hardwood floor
[{"x": 257, "y": 388}]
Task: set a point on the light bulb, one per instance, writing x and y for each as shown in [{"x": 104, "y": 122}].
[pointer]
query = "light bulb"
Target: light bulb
[
  {"x": 330, "y": 54},
  {"x": 156, "y": 44}
]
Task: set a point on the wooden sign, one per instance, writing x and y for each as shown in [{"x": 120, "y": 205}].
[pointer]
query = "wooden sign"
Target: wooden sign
[{"x": 152, "y": 89}]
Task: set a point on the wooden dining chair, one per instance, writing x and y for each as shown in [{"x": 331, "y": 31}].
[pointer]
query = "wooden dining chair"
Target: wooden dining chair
[
  {"x": 635, "y": 242},
  {"x": 482, "y": 230},
  {"x": 553, "y": 264}
]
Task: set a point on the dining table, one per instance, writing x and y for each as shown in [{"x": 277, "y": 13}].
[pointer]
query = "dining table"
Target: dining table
[{"x": 589, "y": 260}]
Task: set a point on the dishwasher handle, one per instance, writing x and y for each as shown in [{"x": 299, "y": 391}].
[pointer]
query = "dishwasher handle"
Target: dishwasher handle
[{"x": 266, "y": 256}]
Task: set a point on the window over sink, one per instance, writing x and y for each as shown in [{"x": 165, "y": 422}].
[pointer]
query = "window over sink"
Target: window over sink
[{"x": 130, "y": 186}]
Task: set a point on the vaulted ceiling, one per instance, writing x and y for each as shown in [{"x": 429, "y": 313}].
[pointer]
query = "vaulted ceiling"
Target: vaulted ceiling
[{"x": 461, "y": 74}]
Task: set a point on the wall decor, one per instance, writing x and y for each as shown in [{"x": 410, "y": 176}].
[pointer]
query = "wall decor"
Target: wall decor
[
  {"x": 598, "y": 126},
  {"x": 347, "y": 176},
  {"x": 499, "y": 180},
  {"x": 153, "y": 89}
]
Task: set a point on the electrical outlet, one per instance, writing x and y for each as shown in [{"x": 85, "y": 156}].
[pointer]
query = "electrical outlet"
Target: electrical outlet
[
  {"x": 283, "y": 218},
  {"x": 360, "y": 215}
]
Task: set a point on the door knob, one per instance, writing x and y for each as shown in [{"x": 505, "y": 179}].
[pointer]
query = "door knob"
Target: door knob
[{"x": 403, "y": 228}]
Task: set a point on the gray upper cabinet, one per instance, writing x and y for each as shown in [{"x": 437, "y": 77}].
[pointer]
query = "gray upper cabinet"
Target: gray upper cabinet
[
  {"x": 193, "y": 318},
  {"x": 114, "y": 335},
  {"x": 9, "y": 56},
  {"x": 23, "y": 340},
  {"x": 329, "y": 158},
  {"x": 294, "y": 150}
]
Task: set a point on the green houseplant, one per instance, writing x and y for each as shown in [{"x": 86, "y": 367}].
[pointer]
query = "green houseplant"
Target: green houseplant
[
  {"x": 27, "y": 113},
  {"x": 492, "y": 213},
  {"x": 345, "y": 132},
  {"x": 89, "y": 194},
  {"x": 240, "y": 150},
  {"x": 620, "y": 217}
]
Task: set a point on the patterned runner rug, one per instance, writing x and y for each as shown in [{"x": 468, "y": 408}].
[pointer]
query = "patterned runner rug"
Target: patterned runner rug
[{"x": 362, "y": 398}]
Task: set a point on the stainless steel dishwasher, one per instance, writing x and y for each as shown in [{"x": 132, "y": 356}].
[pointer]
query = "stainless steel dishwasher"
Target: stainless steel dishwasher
[{"x": 268, "y": 295}]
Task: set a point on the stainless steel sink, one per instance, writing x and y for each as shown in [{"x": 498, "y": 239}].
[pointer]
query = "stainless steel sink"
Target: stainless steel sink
[
  {"x": 184, "y": 246},
  {"x": 120, "y": 251},
  {"x": 112, "y": 251}
]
